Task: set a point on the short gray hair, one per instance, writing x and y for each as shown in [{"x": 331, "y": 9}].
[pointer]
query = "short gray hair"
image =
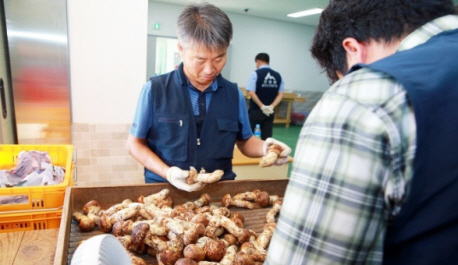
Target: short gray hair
[{"x": 204, "y": 24}]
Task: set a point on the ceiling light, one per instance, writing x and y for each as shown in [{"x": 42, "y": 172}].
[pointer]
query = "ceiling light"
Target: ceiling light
[{"x": 307, "y": 12}]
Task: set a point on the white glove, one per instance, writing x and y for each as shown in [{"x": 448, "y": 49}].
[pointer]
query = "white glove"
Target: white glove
[
  {"x": 271, "y": 109},
  {"x": 177, "y": 177},
  {"x": 267, "y": 110},
  {"x": 284, "y": 155}
]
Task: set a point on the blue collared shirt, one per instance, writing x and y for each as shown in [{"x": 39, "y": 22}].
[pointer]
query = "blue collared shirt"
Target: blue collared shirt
[{"x": 143, "y": 112}]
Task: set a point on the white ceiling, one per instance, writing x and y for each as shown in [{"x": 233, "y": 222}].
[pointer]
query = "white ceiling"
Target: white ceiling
[{"x": 272, "y": 9}]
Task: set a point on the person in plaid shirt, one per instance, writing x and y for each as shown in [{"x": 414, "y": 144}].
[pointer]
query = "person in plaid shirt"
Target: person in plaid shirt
[{"x": 375, "y": 172}]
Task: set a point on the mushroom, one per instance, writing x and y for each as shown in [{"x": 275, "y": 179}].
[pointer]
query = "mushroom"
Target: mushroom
[
  {"x": 250, "y": 249},
  {"x": 117, "y": 230},
  {"x": 107, "y": 222},
  {"x": 238, "y": 219},
  {"x": 271, "y": 156},
  {"x": 168, "y": 257},
  {"x": 241, "y": 233},
  {"x": 204, "y": 199},
  {"x": 208, "y": 263},
  {"x": 200, "y": 218},
  {"x": 273, "y": 198},
  {"x": 154, "y": 198},
  {"x": 203, "y": 176},
  {"x": 139, "y": 233},
  {"x": 189, "y": 205},
  {"x": 248, "y": 196},
  {"x": 182, "y": 211},
  {"x": 263, "y": 199},
  {"x": 264, "y": 238},
  {"x": 156, "y": 244},
  {"x": 256, "y": 245},
  {"x": 166, "y": 202},
  {"x": 203, "y": 209},
  {"x": 229, "y": 256},
  {"x": 194, "y": 252},
  {"x": 202, "y": 241},
  {"x": 127, "y": 242},
  {"x": 270, "y": 216},
  {"x": 229, "y": 239},
  {"x": 191, "y": 234},
  {"x": 92, "y": 209},
  {"x": 243, "y": 258},
  {"x": 175, "y": 243},
  {"x": 214, "y": 250},
  {"x": 126, "y": 227},
  {"x": 214, "y": 229},
  {"x": 228, "y": 201},
  {"x": 185, "y": 261},
  {"x": 113, "y": 209},
  {"x": 85, "y": 224},
  {"x": 223, "y": 211},
  {"x": 136, "y": 260}
]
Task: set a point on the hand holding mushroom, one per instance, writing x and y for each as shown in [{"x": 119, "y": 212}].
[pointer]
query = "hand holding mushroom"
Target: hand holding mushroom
[
  {"x": 177, "y": 177},
  {"x": 275, "y": 153}
]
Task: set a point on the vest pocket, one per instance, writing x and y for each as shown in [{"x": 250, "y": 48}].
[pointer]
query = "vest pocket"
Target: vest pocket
[
  {"x": 170, "y": 136},
  {"x": 223, "y": 146}
]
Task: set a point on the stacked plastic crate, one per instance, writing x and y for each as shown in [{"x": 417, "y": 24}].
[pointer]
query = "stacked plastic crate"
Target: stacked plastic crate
[{"x": 40, "y": 207}]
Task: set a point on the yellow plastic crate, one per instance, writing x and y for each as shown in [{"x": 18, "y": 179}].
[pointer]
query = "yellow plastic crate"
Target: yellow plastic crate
[
  {"x": 38, "y": 220},
  {"x": 36, "y": 197}
]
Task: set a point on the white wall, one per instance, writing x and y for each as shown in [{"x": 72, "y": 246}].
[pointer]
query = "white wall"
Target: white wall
[
  {"x": 107, "y": 42},
  {"x": 287, "y": 44}
]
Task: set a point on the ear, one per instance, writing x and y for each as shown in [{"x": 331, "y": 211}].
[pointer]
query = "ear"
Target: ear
[{"x": 356, "y": 51}]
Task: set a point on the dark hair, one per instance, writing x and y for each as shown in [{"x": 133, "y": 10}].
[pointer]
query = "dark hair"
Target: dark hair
[
  {"x": 262, "y": 57},
  {"x": 204, "y": 24},
  {"x": 366, "y": 20}
]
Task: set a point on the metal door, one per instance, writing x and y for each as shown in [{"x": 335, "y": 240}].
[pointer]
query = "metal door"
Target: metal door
[
  {"x": 38, "y": 57},
  {"x": 7, "y": 127}
]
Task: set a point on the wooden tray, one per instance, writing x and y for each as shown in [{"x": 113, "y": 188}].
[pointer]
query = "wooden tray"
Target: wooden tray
[{"x": 77, "y": 197}]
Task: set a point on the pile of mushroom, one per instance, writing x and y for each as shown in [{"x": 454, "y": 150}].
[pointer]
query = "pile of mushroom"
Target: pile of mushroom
[{"x": 191, "y": 233}]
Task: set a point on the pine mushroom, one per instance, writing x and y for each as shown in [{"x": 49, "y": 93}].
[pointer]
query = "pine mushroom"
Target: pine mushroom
[
  {"x": 228, "y": 201},
  {"x": 194, "y": 252},
  {"x": 85, "y": 224},
  {"x": 271, "y": 156}
]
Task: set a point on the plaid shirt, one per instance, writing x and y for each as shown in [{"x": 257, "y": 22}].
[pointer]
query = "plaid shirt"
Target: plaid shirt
[{"x": 352, "y": 168}]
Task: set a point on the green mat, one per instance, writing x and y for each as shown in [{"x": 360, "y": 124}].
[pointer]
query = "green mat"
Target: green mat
[{"x": 288, "y": 136}]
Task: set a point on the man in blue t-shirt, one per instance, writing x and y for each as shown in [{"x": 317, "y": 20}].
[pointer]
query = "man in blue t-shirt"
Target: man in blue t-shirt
[
  {"x": 193, "y": 116},
  {"x": 265, "y": 87}
]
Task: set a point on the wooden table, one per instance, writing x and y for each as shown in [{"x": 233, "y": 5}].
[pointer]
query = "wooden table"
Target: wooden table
[
  {"x": 289, "y": 98},
  {"x": 28, "y": 247},
  {"x": 248, "y": 168}
]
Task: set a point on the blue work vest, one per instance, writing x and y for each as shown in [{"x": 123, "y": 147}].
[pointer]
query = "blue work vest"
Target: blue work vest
[
  {"x": 266, "y": 88},
  {"x": 426, "y": 229},
  {"x": 173, "y": 134}
]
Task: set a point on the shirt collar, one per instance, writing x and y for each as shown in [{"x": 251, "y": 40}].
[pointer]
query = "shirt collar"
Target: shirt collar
[
  {"x": 429, "y": 30},
  {"x": 264, "y": 66},
  {"x": 185, "y": 81}
]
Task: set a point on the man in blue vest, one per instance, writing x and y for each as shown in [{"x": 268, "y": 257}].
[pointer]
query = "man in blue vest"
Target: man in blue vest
[
  {"x": 375, "y": 175},
  {"x": 265, "y": 87},
  {"x": 192, "y": 116}
]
